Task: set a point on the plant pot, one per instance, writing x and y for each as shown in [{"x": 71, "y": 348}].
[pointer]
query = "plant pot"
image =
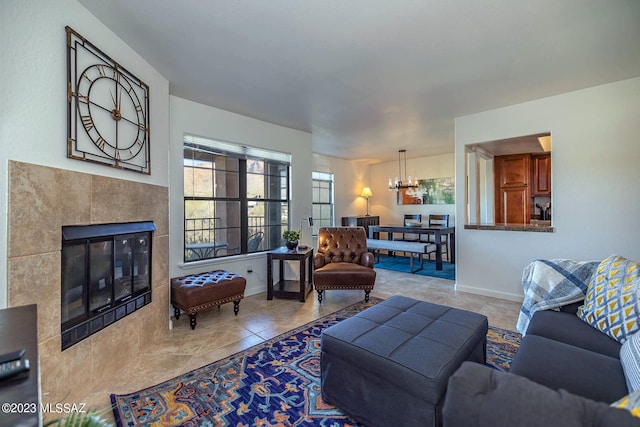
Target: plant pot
[{"x": 291, "y": 245}]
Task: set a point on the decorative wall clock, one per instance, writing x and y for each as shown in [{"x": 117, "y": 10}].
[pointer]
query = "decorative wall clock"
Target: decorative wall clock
[{"x": 108, "y": 109}]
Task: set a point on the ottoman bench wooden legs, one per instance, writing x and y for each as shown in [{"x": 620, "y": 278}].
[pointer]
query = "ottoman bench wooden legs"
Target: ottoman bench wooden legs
[
  {"x": 389, "y": 365},
  {"x": 203, "y": 291}
]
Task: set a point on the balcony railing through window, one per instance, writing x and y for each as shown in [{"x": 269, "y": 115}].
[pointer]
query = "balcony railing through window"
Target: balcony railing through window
[{"x": 203, "y": 240}]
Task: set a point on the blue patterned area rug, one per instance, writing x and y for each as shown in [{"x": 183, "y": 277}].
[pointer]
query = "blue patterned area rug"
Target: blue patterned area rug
[
  {"x": 502, "y": 344},
  {"x": 401, "y": 263},
  {"x": 276, "y": 383}
]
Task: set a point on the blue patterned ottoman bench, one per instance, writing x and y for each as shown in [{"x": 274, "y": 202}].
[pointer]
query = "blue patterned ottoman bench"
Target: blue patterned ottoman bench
[{"x": 389, "y": 364}]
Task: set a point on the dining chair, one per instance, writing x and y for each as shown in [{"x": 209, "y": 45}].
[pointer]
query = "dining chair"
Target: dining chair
[
  {"x": 408, "y": 220},
  {"x": 441, "y": 220}
]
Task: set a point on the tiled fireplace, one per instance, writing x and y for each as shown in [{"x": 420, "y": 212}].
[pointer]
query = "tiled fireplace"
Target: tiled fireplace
[{"x": 43, "y": 200}]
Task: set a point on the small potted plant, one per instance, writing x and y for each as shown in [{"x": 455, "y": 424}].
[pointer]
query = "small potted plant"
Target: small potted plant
[{"x": 292, "y": 237}]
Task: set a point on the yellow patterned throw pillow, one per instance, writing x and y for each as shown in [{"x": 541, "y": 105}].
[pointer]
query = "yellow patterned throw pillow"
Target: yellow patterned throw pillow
[
  {"x": 612, "y": 304},
  {"x": 631, "y": 402}
]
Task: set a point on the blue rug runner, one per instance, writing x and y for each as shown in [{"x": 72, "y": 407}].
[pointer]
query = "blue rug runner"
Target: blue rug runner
[{"x": 401, "y": 263}]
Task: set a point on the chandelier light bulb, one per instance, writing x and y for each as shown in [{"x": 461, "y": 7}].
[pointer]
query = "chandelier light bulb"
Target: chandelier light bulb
[{"x": 399, "y": 183}]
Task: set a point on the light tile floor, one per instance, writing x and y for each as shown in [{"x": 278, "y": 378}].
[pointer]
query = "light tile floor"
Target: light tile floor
[{"x": 219, "y": 333}]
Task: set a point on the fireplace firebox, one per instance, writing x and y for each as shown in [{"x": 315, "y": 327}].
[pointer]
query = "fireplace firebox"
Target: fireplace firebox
[{"x": 106, "y": 275}]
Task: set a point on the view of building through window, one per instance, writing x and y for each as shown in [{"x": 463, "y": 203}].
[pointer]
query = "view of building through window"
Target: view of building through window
[
  {"x": 234, "y": 203},
  {"x": 322, "y": 199}
]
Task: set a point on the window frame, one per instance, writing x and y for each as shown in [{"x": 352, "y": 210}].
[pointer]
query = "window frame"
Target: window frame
[
  {"x": 276, "y": 170},
  {"x": 316, "y": 178}
]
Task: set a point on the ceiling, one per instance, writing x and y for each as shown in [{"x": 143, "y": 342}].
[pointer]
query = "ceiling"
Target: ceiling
[
  {"x": 538, "y": 143},
  {"x": 370, "y": 77}
]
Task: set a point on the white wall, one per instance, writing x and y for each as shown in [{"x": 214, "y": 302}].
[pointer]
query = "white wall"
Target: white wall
[
  {"x": 595, "y": 179},
  {"x": 350, "y": 177},
  {"x": 33, "y": 89},
  {"x": 384, "y": 202},
  {"x": 201, "y": 120}
]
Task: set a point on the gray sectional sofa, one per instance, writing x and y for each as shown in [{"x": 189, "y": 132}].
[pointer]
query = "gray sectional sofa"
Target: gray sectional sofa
[{"x": 565, "y": 373}]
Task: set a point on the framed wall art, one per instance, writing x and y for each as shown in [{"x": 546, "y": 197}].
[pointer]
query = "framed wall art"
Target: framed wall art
[{"x": 433, "y": 191}]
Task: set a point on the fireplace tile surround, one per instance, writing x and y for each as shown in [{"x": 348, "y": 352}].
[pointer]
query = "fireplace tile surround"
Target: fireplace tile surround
[{"x": 41, "y": 200}]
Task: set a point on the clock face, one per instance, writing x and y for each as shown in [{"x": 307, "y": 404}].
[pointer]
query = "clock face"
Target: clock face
[
  {"x": 111, "y": 112},
  {"x": 108, "y": 109}
]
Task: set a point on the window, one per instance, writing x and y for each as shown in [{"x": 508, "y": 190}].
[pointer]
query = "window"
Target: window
[
  {"x": 236, "y": 199},
  {"x": 322, "y": 199}
]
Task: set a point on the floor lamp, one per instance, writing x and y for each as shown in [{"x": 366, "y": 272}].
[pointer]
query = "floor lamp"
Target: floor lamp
[{"x": 366, "y": 193}]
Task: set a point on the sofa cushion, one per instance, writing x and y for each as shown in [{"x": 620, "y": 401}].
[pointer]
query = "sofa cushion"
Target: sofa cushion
[
  {"x": 481, "y": 396},
  {"x": 562, "y": 366},
  {"x": 569, "y": 329},
  {"x": 630, "y": 360},
  {"x": 611, "y": 304}
]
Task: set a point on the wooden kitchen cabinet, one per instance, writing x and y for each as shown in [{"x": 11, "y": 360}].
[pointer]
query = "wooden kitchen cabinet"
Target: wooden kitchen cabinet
[
  {"x": 515, "y": 206},
  {"x": 512, "y": 175},
  {"x": 541, "y": 174},
  {"x": 513, "y": 170}
]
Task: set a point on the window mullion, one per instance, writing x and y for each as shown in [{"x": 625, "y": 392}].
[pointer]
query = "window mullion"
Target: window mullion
[{"x": 244, "y": 206}]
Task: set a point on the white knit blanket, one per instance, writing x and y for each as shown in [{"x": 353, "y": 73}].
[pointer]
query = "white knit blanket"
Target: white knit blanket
[{"x": 549, "y": 284}]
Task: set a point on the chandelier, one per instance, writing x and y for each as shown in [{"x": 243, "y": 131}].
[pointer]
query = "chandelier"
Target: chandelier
[{"x": 397, "y": 184}]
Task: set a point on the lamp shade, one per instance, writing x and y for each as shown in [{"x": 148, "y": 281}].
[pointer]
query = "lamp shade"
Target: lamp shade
[{"x": 366, "y": 192}]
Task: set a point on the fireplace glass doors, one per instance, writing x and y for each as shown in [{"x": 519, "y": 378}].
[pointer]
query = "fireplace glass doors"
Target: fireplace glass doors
[
  {"x": 131, "y": 273},
  {"x": 106, "y": 275}
]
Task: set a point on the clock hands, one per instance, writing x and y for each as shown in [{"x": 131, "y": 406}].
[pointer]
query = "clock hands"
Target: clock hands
[
  {"x": 121, "y": 103},
  {"x": 115, "y": 113}
]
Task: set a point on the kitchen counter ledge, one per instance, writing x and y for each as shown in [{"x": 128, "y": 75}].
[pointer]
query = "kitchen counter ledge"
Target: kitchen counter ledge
[{"x": 511, "y": 227}]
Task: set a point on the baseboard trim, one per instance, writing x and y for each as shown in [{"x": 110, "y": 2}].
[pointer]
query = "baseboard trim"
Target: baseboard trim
[
  {"x": 489, "y": 293},
  {"x": 254, "y": 290}
]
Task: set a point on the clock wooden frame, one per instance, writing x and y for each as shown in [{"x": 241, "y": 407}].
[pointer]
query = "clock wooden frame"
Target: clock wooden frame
[{"x": 107, "y": 108}]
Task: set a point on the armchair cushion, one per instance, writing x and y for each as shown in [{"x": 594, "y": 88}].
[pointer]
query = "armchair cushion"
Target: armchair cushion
[
  {"x": 347, "y": 273},
  {"x": 342, "y": 244}
]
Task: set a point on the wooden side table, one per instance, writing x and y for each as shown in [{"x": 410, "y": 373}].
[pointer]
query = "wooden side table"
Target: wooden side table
[{"x": 290, "y": 288}]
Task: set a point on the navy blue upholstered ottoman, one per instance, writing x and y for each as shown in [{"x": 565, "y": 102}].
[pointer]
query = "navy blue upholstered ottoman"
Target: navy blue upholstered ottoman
[{"x": 389, "y": 364}]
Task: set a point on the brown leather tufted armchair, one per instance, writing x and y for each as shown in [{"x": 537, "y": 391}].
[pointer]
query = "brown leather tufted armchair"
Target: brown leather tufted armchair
[{"x": 343, "y": 261}]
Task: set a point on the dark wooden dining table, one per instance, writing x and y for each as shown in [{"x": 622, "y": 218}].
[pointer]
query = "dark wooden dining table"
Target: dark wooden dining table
[{"x": 436, "y": 230}]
